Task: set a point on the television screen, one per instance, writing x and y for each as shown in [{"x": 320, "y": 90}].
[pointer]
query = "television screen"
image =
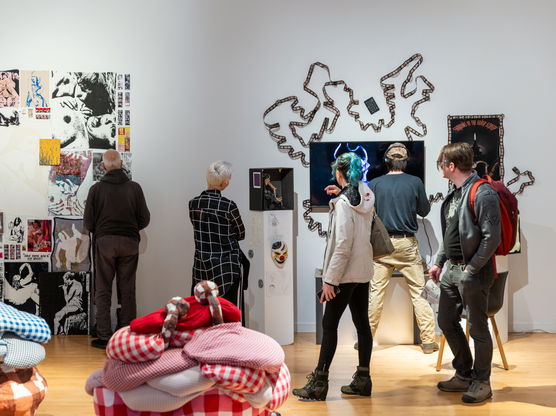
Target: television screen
[{"x": 322, "y": 154}]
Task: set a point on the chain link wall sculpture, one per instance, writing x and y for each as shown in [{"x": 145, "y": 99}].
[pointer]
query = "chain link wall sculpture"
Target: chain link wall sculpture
[{"x": 329, "y": 123}]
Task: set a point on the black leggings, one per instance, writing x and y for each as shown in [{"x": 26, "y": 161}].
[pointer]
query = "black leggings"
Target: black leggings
[{"x": 356, "y": 295}]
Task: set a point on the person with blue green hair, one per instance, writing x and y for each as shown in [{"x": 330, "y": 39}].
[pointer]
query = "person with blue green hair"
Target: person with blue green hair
[{"x": 346, "y": 273}]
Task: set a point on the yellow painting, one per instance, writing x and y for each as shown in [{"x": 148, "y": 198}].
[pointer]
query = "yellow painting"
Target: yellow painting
[{"x": 49, "y": 152}]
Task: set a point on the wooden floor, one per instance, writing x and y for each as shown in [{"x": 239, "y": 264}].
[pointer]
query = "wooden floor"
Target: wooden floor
[{"x": 404, "y": 380}]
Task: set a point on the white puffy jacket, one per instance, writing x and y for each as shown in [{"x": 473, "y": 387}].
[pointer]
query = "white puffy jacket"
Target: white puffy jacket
[{"x": 348, "y": 257}]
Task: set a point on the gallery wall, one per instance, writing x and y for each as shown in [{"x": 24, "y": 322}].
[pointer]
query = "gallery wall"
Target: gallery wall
[{"x": 203, "y": 72}]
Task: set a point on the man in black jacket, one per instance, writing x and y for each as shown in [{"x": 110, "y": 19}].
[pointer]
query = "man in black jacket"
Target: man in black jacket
[
  {"x": 115, "y": 212},
  {"x": 469, "y": 240}
]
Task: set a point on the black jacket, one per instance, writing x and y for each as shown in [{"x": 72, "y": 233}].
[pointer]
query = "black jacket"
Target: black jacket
[{"x": 116, "y": 206}]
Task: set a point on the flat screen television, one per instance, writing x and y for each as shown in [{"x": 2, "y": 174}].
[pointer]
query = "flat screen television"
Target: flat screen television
[{"x": 322, "y": 154}]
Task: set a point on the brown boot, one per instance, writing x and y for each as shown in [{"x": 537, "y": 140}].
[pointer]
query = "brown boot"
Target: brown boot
[
  {"x": 361, "y": 383},
  {"x": 316, "y": 387}
]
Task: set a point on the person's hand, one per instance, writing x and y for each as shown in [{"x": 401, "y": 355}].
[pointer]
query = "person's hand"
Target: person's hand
[
  {"x": 328, "y": 293},
  {"x": 279, "y": 198},
  {"x": 332, "y": 190},
  {"x": 434, "y": 273}
]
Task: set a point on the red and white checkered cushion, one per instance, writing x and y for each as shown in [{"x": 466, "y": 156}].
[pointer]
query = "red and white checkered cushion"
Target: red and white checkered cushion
[
  {"x": 232, "y": 344},
  {"x": 180, "y": 338},
  {"x": 211, "y": 403},
  {"x": 280, "y": 383},
  {"x": 240, "y": 379},
  {"x": 129, "y": 347}
]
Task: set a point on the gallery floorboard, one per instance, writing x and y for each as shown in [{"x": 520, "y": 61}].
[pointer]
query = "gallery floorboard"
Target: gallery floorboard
[{"x": 404, "y": 380}]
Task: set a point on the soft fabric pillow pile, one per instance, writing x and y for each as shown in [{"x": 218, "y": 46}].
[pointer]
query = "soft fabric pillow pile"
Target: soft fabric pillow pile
[
  {"x": 224, "y": 367},
  {"x": 22, "y": 388}
]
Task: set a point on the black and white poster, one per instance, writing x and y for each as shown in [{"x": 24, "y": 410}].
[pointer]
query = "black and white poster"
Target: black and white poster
[
  {"x": 21, "y": 285},
  {"x": 9, "y": 117},
  {"x": 64, "y": 302},
  {"x": 485, "y": 134},
  {"x": 98, "y": 169},
  {"x": 83, "y": 109},
  {"x": 71, "y": 246},
  {"x": 16, "y": 230}
]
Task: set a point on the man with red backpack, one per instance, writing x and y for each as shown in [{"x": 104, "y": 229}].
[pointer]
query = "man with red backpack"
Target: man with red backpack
[{"x": 470, "y": 238}]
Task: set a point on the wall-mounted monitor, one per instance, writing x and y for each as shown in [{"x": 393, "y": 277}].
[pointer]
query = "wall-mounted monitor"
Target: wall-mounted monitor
[{"x": 322, "y": 154}]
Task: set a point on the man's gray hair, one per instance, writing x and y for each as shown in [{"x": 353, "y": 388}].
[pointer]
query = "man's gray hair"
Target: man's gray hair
[
  {"x": 111, "y": 160},
  {"x": 218, "y": 172}
]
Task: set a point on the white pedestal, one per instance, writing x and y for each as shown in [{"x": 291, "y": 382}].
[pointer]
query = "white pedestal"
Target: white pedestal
[{"x": 269, "y": 299}]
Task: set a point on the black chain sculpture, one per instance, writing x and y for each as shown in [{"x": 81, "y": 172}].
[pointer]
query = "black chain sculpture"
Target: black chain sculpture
[
  {"x": 523, "y": 185},
  {"x": 328, "y": 124},
  {"x": 312, "y": 224},
  {"x": 440, "y": 197}
]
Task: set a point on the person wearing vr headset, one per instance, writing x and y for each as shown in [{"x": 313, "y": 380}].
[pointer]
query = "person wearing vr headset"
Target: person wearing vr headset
[{"x": 400, "y": 197}]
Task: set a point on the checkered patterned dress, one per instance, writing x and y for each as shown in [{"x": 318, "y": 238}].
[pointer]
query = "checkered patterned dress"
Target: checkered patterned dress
[{"x": 217, "y": 229}]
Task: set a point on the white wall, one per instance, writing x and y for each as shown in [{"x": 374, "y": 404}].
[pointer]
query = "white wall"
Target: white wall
[{"x": 203, "y": 72}]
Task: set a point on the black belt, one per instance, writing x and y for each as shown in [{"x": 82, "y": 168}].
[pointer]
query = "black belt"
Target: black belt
[
  {"x": 401, "y": 235},
  {"x": 457, "y": 262}
]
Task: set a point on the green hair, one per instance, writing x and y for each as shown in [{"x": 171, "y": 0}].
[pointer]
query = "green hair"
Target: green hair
[{"x": 350, "y": 166}]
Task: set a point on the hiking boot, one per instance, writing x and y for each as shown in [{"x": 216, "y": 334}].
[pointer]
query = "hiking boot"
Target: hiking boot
[
  {"x": 361, "y": 383},
  {"x": 479, "y": 391},
  {"x": 429, "y": 348},
  {"x": 316, "y": 387},
  {"x": 456, "y": 383}
]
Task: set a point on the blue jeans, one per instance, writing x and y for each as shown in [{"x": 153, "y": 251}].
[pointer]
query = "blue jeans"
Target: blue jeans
[{"x": 459, "y": 290}]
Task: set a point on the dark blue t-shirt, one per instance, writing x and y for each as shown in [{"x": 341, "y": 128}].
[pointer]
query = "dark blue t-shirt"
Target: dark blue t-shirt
[{"x": 399, "y": 198}]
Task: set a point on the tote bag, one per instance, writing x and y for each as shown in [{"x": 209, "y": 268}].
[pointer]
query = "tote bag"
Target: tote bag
[{"x": 380, "y": 240}]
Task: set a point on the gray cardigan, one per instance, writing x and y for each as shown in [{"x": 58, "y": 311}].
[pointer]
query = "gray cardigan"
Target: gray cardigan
[{"x": 479, "y": 232}]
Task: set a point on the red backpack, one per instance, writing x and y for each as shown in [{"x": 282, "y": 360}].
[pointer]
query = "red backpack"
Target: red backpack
[{"x": 509, "y": 213}]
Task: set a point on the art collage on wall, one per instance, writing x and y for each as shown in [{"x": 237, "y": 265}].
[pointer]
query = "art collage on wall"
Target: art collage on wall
[{"x": 45, "y": 261}]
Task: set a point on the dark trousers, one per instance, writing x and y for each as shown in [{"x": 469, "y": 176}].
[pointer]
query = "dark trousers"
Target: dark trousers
[
  {"x": 356, "y": 296},
  {"x": 115, "y": 256},
  {"x": 459, "y": 290}
]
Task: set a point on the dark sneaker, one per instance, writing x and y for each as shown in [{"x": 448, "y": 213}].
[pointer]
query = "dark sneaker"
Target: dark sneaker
[
  {"x": 456, "y": 383},
  {"x": 99, "y": 343},
  {"x": 478, "y": 392},
  {"x": 429, "y": 348}
]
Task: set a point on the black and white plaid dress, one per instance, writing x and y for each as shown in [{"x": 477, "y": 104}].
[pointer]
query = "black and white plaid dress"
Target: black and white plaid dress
[{"x": 217, "y": 228}]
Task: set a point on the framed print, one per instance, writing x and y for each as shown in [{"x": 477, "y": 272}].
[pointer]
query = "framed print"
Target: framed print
[{"x": 485, "y": 134}]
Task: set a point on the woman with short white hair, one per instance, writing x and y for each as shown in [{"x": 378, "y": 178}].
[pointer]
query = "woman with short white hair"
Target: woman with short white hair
[{"x": 217, "y": 228}]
